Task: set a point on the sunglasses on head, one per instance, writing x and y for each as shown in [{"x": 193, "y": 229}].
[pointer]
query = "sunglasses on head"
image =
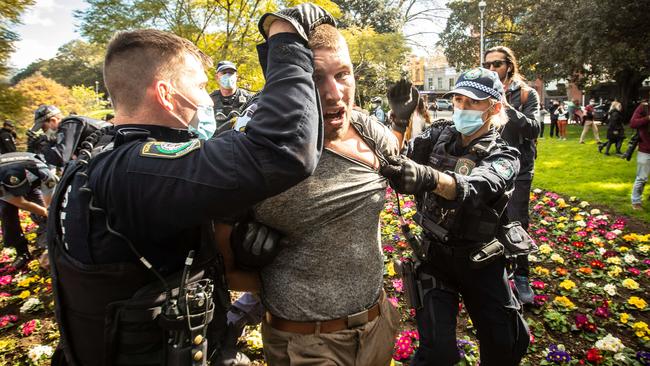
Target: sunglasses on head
[{"x": 495, "y": 63}]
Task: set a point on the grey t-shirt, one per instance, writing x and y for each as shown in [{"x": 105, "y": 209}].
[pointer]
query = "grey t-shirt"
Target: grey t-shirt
[{"x": 332, "y": 265}]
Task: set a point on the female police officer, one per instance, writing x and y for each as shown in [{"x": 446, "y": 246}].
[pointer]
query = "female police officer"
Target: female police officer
[{"x": 462, "y": 176}]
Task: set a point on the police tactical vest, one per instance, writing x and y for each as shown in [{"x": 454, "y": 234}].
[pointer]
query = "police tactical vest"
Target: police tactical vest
[
  {"x": 123, "y": 313},
  {"x": 475, "y": 225}
]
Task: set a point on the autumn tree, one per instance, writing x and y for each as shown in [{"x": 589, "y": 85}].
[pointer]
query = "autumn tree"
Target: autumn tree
[{"x": 38, "y": 89}]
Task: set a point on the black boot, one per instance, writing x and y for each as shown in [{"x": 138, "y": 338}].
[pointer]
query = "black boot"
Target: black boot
[
  {"x": 21, "y": 260},
  {"x": 600, "y": 147}
]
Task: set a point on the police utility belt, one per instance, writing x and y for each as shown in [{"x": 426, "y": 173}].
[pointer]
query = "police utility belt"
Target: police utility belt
[{"x": 326, "y": 326}]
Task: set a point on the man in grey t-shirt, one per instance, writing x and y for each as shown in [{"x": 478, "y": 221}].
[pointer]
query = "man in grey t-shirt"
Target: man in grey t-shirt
[{"x": 323, "y": 292}]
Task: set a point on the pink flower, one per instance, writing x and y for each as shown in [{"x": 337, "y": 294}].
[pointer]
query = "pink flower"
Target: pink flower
[
  {"x": 398, "y": 286},
  {"x": 5, "y": 294},
  {"x": 602, "y": 311},
  {"x": 581, "y": 233},
  {"x": 539, "y": 285},
  {"x": 540, "y": 300},
  {"x": 29, "y": 327},
  {"x": 5, "y": 280},
  {"x": 634, "y": 271},
  {"x": 389, "y": 248},
  {"x": 394, "y": 301}
]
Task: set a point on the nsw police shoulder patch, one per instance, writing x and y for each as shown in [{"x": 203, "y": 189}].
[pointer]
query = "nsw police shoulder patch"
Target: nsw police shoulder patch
[
  {"x": 503, "y": 168},
  {"x": 169, "y": 150}
]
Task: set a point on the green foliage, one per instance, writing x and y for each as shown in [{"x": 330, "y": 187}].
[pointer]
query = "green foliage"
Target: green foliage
[
  {"x": 572, "y": 169},
  {"x": 10, "y": 11},
  {"x": 86, "y": 100},
  {"x": 557, "y": 321},
  {"x": 377, "y": 60},
  {"x": 383, "y": 15}
]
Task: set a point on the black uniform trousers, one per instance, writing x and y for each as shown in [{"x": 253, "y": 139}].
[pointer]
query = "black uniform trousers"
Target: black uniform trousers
[
  {"x": 502, "y": 332},
  {"x": 554, "y": 127},
  {"x": 11, "y": 229},
  {"x": 518, "y": 210}
]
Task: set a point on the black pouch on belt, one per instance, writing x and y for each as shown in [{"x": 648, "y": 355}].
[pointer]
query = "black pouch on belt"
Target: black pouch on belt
[
  {"x": 486, "y": 254},
  {"x": 516, "y": 240}
]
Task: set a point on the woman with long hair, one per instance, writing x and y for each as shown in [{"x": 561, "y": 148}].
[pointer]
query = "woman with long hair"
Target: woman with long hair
[
  {"x": 615, "y": 129},
  {"x": 562, "y": 120}
]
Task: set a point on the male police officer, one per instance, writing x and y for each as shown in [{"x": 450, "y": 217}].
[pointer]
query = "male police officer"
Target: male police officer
[
  {"x": 377, "y": 111},
  {"x": 8, "y": 137},
  {"x": 25, "y": 183},
  {"x": 229, "y": 100},
  {"x": 128, "y": 220},
  {"x": 462, "y": 177}
]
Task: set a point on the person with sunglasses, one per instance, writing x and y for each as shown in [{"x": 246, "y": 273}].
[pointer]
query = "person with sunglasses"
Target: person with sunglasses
[{"x": 521, "y": 132}]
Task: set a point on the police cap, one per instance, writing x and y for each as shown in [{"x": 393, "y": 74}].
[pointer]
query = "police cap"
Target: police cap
[{"x": 44, "y": 113}]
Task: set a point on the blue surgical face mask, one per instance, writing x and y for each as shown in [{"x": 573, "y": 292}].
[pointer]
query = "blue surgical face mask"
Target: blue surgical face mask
[
  {"x": 202, "y": 122},
  {"x": 467, "y": 121},
  {"x": 228, "y": 81}
]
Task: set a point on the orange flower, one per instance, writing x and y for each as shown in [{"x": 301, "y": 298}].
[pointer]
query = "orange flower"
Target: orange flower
[
  {"x": 561, "y": 271},
  {"x": 585, "y": 270}
]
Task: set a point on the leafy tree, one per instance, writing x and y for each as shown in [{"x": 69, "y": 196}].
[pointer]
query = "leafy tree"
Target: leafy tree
[
  {"x": 10, "y": 11},
  {"x": 11, "y": 103},
  {"x": 31, "y": 69},
  {"x": 38, "y": 89},
  {"x": 377, "y": 59},
  {"x": 382, "y": 15},
  {"x": 85, "y": 100}
]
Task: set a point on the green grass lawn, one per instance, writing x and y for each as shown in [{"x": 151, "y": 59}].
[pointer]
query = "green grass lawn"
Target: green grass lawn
[{"x": 573, "y": 169}]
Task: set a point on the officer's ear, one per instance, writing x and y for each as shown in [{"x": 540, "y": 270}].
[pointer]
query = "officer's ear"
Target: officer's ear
[{"x": 164, "y": 94}]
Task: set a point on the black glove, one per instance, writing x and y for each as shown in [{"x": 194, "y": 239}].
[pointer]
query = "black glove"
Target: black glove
[
  {"x": 304, "y": 17},
  {"x": 409, "y": 177},
  {"x": 403, "y": 98},
  {"x": 254, "y": 245}
]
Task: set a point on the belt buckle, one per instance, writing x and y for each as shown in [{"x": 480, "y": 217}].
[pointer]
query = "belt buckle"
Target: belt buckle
[{"x": 358, "y": 319}]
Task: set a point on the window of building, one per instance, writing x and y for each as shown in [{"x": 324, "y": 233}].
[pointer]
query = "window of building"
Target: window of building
[
  {"x": 430, "y": 83},
  {"x": 451, "y": 83},
  {"x": 440, "y": 83}
]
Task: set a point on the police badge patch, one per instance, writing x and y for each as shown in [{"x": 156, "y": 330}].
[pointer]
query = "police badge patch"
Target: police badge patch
[
  {"x": 473, "y": 74},
  {"x": 464, "y": 166},
  {"x": 13, "y": 180},
  {"x": 169, "y": 150},
  {"x": 503, "y": 168}
]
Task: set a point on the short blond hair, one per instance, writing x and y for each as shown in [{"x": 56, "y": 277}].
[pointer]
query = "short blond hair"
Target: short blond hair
[
  {"x": 325, "y": 36},
  {"x": 134, "y": 59}
]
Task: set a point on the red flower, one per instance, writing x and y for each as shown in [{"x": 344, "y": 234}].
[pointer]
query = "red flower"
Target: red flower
[
  {"x": 594, "y": 356},
  {"x": 597, "y": 264}
]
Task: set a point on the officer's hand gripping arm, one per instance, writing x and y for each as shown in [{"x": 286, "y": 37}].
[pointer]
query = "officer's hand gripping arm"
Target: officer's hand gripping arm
[
  {"x": 409, "y": 177},
  {"x": 304, "y": 18}
]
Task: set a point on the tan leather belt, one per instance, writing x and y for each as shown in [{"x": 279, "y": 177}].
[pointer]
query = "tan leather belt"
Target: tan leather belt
[{"x": 326, "y": 326}]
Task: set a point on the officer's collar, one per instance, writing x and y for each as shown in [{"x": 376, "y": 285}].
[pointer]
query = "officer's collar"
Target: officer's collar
[{"x": 160, "y": 133}]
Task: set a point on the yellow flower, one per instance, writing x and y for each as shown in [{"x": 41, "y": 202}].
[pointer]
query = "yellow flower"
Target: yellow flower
[
  {"x": 562, "y": 219},
  {"x": 614, "y": 260},
  {"x": 541, "y": 271},
  {"x": 641, "y": 329},
  {"x": 254, "y": 340},
  {"x": 557, "y": 258},
  {"x": 545, "y": 249},
  {"x": 560, "y": 225},
  {"x": 567, "y": 285},
  {"x": 643, "y": 248},
  {"x": 638, "y": 302},
  {"x": 25, "y": 294},
  {"x": 624, "y": 318},
  {"x": 623, "y": 249},
  {"x": 630, "y": 284},
  {"x": 390, "y": 269},
  {"x": 33, "y": 265},
  {"x": 614, "y": 271},
  {"x": 564, "y": 302},
  {"x": 561, "y": 203}
]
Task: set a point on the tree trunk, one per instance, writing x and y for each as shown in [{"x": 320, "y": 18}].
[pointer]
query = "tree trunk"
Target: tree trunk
[{"x": 628, "y": 81}]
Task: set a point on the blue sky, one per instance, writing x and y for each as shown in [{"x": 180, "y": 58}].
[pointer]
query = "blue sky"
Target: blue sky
[{"x": 46, "y": 26}]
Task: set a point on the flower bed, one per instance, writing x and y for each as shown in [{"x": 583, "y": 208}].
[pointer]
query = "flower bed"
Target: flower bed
[{"x": 590, "y": 277}]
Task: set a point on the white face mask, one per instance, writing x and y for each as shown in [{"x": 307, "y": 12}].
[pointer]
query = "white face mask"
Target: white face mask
[
  {"x": 203, "y": 122},
  {"x": 228, "y": 81}
]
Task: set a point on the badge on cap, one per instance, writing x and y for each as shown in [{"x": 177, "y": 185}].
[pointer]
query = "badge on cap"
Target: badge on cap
[
  {"x": 473, "y": 74},
  {"x": 503, "y": 168},
  {"x": 13, "y": 180},
  {"x": 464, "y": 166},
  {"x": 169, "y": 150}
]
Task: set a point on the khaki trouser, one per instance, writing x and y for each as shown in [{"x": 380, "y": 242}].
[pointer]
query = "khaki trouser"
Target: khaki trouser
[
  {"x": 368, "y": 345},
  {"x": 589, "y": 124}
]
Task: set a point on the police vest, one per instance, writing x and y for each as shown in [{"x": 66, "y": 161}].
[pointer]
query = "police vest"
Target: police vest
[
  {"x": 478, "y": 224},
  {"x": 127, "y": 313}
]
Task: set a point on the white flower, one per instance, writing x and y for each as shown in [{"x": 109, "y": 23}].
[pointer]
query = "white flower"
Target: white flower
[
  {"x": 581, "y": 223},
  {"x": 617, "y": 232},
  {"x": 583, "y": 204},
  {"x": 589, "y": 284},
  {"x": 601, "y": 251},
  {"x": 532, "y": 258},
  {"x": 595, "y": 211},
  {"x": 610, "y": 289},
  {"x": 620, "y": 357},
  {"x": 31, "y": 304},
  {"x": 553, "y": 209},
  {"x": 610, "y": 343},
  {"x": 40, "y": 352},
  {"x": 537, "y": 191},
  {"x": 629, "y": 259}
]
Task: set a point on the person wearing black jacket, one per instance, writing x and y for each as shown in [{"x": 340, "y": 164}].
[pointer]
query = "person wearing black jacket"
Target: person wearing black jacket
[
  {"x": 7, "y": 138},
  {"x": 615, "y": 129},
  {"x": 130, "y": 234},
  {"x": 520, "y": 132}
]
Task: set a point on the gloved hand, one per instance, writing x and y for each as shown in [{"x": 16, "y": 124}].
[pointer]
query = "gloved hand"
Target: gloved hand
[
  {"x": 403, "y": 98},
  {"x": 304, "y": 17},
  {"x": 254, "y": 245},
  {"x": 409, "y": 177}
]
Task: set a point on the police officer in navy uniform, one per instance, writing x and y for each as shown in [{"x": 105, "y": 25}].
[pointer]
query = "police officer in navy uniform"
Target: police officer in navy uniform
[
  {"x": 462, "y": 175},
  {"x": 135, "y": 273},
  {"x": 26, "y": 183},
  {"x": 7, "y": 137},
  {"x": 229, "y": 100}
]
